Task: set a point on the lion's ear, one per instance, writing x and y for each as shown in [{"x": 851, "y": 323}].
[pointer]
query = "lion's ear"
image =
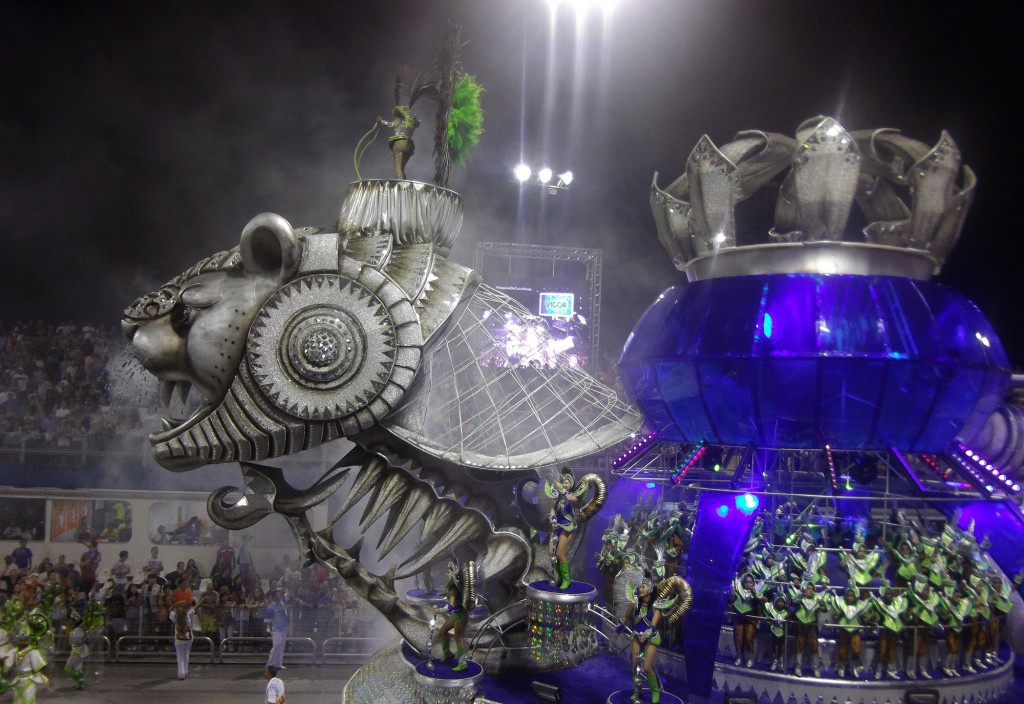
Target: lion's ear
[{"x": 269, "y": 247}]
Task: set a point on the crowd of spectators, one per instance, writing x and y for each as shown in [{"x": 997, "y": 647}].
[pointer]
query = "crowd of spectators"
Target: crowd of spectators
[
  {"x": 55, "y": 388},
  {"x": 230, "y": 600}
]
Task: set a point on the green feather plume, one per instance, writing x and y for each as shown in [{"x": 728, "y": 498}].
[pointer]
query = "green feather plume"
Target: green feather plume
[{"x": 466, "y": 121}]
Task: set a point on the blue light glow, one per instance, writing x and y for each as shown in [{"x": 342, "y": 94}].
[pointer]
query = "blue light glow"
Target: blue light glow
[
  {"x": 768, "y": 325},
  {"x": 722, "y": 511},
  {"x": 650, "y": 485},
  {"x": 747, "y": 503}
]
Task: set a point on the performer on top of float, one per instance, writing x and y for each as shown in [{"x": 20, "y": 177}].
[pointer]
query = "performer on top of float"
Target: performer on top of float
[{"x": 563, "y": 522}]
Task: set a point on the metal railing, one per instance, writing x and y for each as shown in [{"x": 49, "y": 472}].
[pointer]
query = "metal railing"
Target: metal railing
[{"x": 325, "y": 634}]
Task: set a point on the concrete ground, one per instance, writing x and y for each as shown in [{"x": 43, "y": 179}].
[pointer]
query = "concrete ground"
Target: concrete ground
[{"x": 136, "y": 683}]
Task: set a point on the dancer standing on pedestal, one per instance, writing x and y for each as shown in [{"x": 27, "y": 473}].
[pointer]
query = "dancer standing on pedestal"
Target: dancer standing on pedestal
[
  {"x": 461, "y": 597},
  {"x": 563, "y": 523},
  {"x": 643, "y": 618}
]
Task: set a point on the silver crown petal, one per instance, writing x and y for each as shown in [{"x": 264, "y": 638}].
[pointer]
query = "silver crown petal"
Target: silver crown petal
[{"x": 912, "y": 197}]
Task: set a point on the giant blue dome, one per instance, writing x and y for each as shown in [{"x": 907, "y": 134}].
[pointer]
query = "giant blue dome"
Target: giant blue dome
[{"x": 800, "y": 360}]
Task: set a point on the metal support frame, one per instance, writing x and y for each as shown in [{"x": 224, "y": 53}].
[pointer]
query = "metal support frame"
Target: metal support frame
[{"x": 592, "y": 258}]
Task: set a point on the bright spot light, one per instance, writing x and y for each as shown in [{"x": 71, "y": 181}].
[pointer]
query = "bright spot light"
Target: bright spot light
[
  {"x": 720, "y": 238},
  {"x": 722, "y": 511},
  {"x": 582, "y": 6},
  {"x": 650, "y": 485},
  {"x": 544, "y": 175},
  {"x": 833, "y": 130},
  {"x": 747, "y": 503},
  {"x": 242, "y": 502},
  {"x": 565, "y": 178},
  {"x": 522, "y": 172},
  {"x": 982, "y": 339},
  {"x": 768, "y": 326},
  {"x": 1015, "y": 487}
]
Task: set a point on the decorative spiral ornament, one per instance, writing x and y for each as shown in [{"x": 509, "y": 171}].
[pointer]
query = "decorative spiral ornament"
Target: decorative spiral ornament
[{"x": 326, "y": 347}]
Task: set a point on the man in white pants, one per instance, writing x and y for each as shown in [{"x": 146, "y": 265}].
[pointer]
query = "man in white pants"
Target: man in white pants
[
  {"x": 182, "y": 617},
  {"x": 275, "y": 620},
  {"x": 275, "y": 687}
]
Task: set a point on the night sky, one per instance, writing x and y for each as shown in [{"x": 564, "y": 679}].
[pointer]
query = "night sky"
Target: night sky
[{"x": 140, "y": 137}]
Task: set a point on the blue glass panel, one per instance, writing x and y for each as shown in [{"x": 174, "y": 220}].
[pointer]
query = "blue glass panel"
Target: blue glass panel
[
  {"x": 909, "y": 328},
  {"x": 711, "y": 566},
  {"x": 732, "y": 317},
  {"x": 787, "y": 392},
  {"x": 727, "y": 386},
  {"x": 689, "y": 313},
  {"x": 955, "y": 399},
  {"x": 848, "y": 320},
  {"x": 680, "y": 388},
  {"x": 791, "y": 303},
  {"x": 851, "y": 390},
  {"x": 908, "y": 395},
  {"x": 956, "y": 328},
  {"x": 646, "y": 339}
]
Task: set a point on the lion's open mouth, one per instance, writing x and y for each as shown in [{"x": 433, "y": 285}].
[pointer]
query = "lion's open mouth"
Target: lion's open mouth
[
  {"x": 183, "y": 442},
  {"x": 180, "y": 394}
]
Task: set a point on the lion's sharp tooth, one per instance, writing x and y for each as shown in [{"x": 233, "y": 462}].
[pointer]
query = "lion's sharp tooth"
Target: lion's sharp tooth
[
  {"x": 167, "y": 424},
  {"x": 402, "y": 518},
  {"x": 504, "y": 552},
  {"x": 389, "y": 492},
  {"x": 166, "y": 391},
  {"x": 183, "y": 388},
  {"x": 466, "y": 529},
  {"x": 438, "y": 515},
  {"x": 369, "y": 474}
]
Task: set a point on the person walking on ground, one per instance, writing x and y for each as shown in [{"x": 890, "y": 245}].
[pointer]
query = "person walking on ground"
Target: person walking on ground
[
  {"x": 182, "y": 617},
  {"x": 275, "y": 621},
  {"x": 275, "y": 687}
]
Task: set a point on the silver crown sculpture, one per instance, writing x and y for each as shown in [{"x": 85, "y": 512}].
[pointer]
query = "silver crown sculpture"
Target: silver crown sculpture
[{"x": 913, "y": 198}]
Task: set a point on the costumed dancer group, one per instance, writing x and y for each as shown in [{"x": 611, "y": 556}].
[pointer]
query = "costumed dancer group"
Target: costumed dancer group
[
  {"x": 969, "y": 612},
  {"x": 27, "y": 643}
]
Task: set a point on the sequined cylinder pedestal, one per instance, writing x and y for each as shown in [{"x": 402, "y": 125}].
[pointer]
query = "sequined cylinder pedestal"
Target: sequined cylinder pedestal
[
  {"x": 560, "y": 635},
  {"x": 443, "y": 686}
]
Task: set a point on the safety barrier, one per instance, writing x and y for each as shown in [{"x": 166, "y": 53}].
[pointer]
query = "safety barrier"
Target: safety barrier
[{"x": 159, "y": 648}]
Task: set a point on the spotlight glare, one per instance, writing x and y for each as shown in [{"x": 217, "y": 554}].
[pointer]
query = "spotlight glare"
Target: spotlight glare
[
  {"x": 565, "y": 178},
  {"x": 544, "y": 175},
  {"x": 747, "y": 503},
  {"x": 522, "y": 172}
]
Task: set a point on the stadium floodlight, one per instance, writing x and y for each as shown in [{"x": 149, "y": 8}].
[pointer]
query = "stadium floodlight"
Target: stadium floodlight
[
  {"x": 544, "y": 175},
  {"x": 565, "y": 179},
  {"x": 522, "y": 172}
]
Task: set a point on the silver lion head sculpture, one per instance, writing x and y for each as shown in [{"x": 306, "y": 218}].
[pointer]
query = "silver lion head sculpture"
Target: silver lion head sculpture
[{"x": 299, "y": 337}]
